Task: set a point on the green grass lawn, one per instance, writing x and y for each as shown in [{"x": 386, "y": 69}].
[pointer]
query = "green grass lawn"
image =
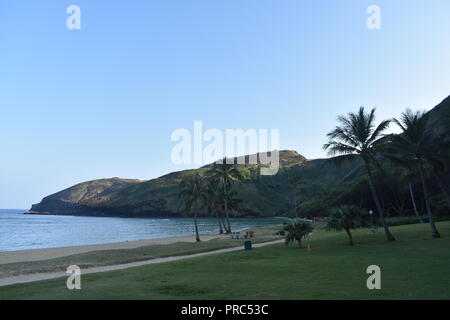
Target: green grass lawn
[{"x": 414, "y": 267}]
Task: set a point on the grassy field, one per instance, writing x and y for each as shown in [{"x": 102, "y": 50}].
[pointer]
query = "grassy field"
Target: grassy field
[{"x": 414, "y": 267}]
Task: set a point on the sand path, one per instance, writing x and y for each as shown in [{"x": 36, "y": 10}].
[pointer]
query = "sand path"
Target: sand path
[{"x": 46, "y": 276}]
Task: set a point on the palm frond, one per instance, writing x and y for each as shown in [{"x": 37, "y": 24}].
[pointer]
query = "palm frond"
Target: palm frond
[
  {"x": 334, "y": 148},
  {"x": 377, "y": 133}
]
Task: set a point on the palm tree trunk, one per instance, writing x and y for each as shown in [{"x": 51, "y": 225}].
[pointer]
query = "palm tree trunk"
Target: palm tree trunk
[
  {"x": 411, "y": 192},
  {"x": 224, "y": 227},
  {"x": 228, "y": 228},
  {"x": 227, "y": 218},
  {"x": 223, "y": 224},
  {"x": 388, "y": 233},
  {"x": 434, "y": 231},
  {"x": 350, "y": 238},
  {"x": 197, "y": 236},
  {"x": 300, "y": 242},
  {"x": 220, "y": 224}
]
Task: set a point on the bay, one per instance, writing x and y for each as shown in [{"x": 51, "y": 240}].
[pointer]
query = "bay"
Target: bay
[{"x": 19, "y": 231}]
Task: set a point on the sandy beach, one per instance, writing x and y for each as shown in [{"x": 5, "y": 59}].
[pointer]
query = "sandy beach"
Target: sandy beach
[{"x": 50, "y": 253}]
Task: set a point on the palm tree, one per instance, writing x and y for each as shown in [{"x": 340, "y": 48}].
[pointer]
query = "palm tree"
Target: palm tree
[
  {"x": 191, "y": 191},
  {"x": 227, "y": 174},
  {"x": 345, "y": 218},
  {"x": 357, "y": 137},
  {"x": 213, "y": 198},
  {"x": 415, "y": 144},
  {"x": 297, "y": 229}
]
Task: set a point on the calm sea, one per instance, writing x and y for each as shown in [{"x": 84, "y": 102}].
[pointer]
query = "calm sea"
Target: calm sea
[{"x": 19, "y": 231}]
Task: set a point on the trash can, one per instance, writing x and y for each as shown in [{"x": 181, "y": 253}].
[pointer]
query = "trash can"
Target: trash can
[{"x": 248, "y": 245}]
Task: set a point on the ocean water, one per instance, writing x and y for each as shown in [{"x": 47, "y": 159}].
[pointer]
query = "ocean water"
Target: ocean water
[{"x": 19, "y": 231}]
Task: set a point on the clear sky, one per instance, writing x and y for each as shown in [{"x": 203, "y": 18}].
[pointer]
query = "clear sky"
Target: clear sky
[{"x": 78, "y": 105}]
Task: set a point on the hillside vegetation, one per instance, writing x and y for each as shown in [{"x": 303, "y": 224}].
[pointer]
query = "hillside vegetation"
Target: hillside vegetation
[
  {"x": 323, "y": 185},
  {"x": 262, "y": 195}
]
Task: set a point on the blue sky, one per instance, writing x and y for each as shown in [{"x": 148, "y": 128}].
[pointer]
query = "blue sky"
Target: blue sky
[{"x": 78, "y": 105}]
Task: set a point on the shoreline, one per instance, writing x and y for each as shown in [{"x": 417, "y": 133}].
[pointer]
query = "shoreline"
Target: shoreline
[
  {"x": 28, "y": 255},
  {"x": 47, "y": 213}
]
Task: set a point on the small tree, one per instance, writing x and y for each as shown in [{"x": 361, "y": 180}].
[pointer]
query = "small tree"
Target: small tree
[
  {"x": 296, "y": 230},
  {"x": 345, "y": 218}
]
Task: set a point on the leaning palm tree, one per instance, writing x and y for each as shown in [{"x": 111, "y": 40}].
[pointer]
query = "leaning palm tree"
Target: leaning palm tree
[
  {"x": 297, "y": 229},
  {"x": 191, "y": 192},
  {"x": 416, "y": 144},
  {"x": 357, "y": 137},
  {"x": 227, "y": 174},
  {"x": 345, "y": 218}
]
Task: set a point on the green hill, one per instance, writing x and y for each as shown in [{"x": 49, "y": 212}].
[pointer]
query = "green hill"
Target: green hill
[
  {"x": 262, "y": 195},
  {"x": 72, "y": 200}
]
